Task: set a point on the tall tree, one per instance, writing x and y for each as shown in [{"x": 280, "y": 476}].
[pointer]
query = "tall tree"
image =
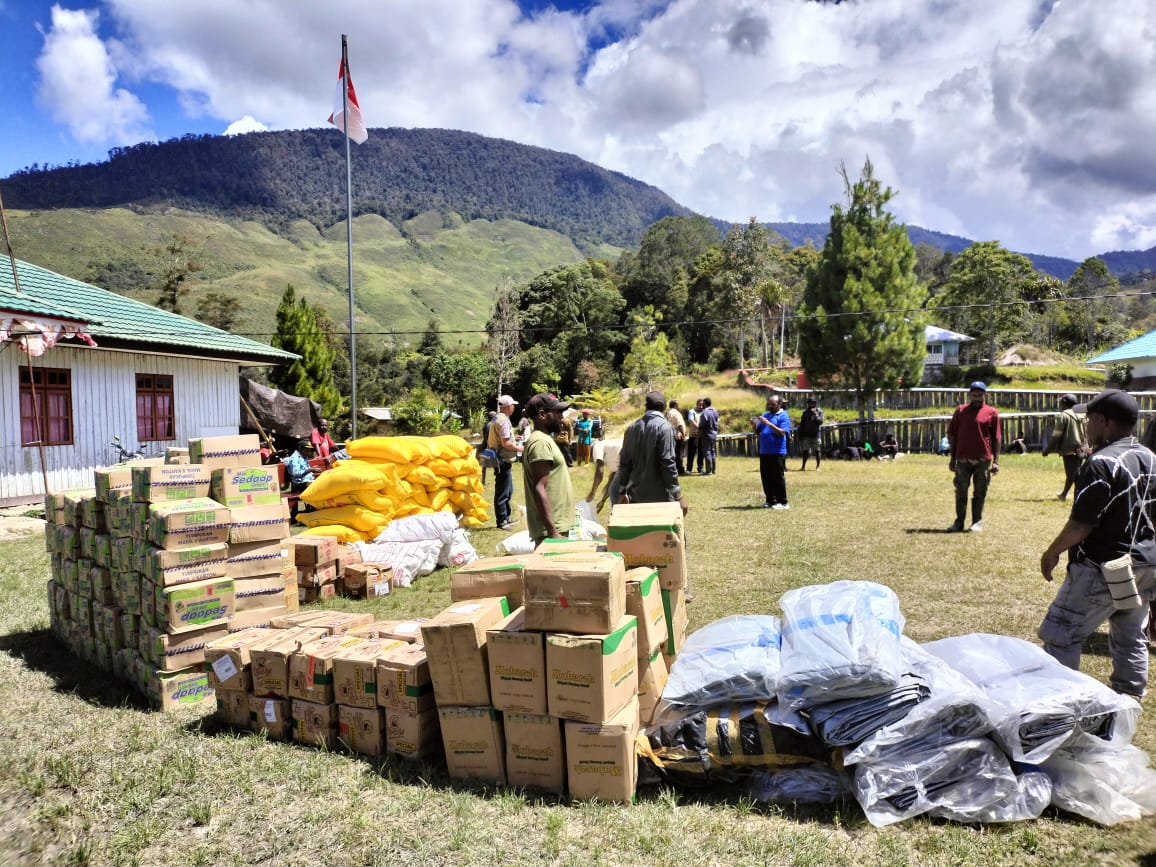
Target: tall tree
[
  {"x": 859, "y": 327},
  {"x": 743, "y": 279},
  {"x": 176, "y": 265},
  {"x": 219, "y": 310},
  {"x": 504, "y": 332},
  {"x": 1091, "y": 316},
  {"x": 311, "y": 375},
  {"x": 659, "y": 273},
  {"x": 464, "y": 379}
]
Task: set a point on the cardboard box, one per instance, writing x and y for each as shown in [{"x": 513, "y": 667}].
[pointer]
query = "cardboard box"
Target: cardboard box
[
  {"x": 269, "y": 660},
  {"x": 175, "y": 455},
  {"x": 569, "y": 546},
  {"x": 264, "y": 591},
  {"x": 315, "y": 724},
  {"x": 674, "y": 609},
  {"x": 578, "y": 596},
  {"x": 259, "y": 617},
  {"x": 644, "y": 601},
  {"x": 535, "y": 753},
  {"x": 517, "y": 665},
  {"x": 195, "y": 605},
  {"x": 413, "y": 735},
  {"x": 313, "y": 550},
  {"x": 249, "y": 559},
  {"x": 333, "y": 622},
  {"x": 188, "y": 523},
  {"x": 355, "y": 670},
  {"x": 259, "y": 523},
  {"x": 233, "y": 708},
  {"x": 243, "y": 450},
  {"x": 406, "y": 630},
  {"x": 403, "y": 678},
  {"x": 317, "y": 576},
  {"x": 111, "y": 482},
  {"x": 591, "y": 677},
  {"x": 455, "y": 642},
  {"x": 491, "y": 576},
  {"x": 652, "y": 677},
  {"x": 366, "y": 580},
  {"x": 651, "y": 534},
  {"x": 174, "y": 652},
  {"x": 362, "y": 729},
  {"x": 307, "y": 595},
  {"x": 474, "y": 744},
  {"x": 600, "y": 758},
  {"x": 258, "y": 485},
  {"x": 164, "y": 483},
  {"x": 170, "y": 690},
  {"x": 227, "y": 659},
  {"x": 180, "y": 566},
  {"x": 311, "y": 668},
  {"x": 272, "y": 716}
]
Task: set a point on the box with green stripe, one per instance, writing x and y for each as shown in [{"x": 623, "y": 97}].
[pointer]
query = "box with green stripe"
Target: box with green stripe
[
  {"x": 651, "y": 534},
  {"x": 403, "y": 679},
  {"x": 355, "y": 671},
  {"x": 592, "y": 677}
]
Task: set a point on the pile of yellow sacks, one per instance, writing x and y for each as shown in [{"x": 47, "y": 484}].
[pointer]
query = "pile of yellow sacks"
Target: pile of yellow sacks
[{"x": 392, "y": 477}]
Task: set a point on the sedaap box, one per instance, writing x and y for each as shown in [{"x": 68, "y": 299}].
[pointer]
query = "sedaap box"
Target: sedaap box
[
  {"x": 362, "y": 729},
  {"x": 644, "y": 601},
  {"x": 227, "y": 659},
  {"x": 355, "y": 671},
  {"x": 170, "y": 690},
  {"x": 315, "y": 724},
  {"x": 535, "y": 754},
  {"x": 258, "y": 485},
  {"x": 491, "y": 576},
  {"x": 259, "y": 523},
  {"x": 600, "y": 758},
  {"x": 517, "y": 664},
  {"x": 591, "y": 677},
  {"x": 311, "y": 668},
  {"x": 651, "y": 534},
  {"x": 583, "y": 596},
  {"x": 652, "y": 677},
  {"x": 183, "y": 565},
  {"x": 674, "y": 609},
  {"x": 174, "y": 652},
  {"x": 269, "y": 660},
  {"x": 164, "y": 483},
  {"x": 249, "y": 559},
  {"x": 195, "y": 605},
  {"x": 265, "y": 591},
  {"x": 474, "y": 743},
  {"x": 313, "y": 550},
  {"x": 455, "y": 642},
  {"x": 242, "y": 450},
  {"x": 412, "y": 734},
  {"x": 403, "y": 678},
  {"x": 233, "y": 707},
  {"x": 273, "y": 716},
  {"x": 188, "y": 523}
]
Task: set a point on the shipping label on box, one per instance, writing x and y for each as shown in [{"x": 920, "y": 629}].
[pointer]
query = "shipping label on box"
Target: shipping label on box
[
  {"x": 313, "y": 550},
  {"x": 269, "y": 659},
  {"x": 362, "y": 729},
  {"x": 259, "y": 523},
  {"x": 403, "y": 678},
  {"x": 271, "y": 716},
  {"x": 651, "y": 534},
  {"x": 644, "y": 601},
  {"x": 162, "y": 483},
  {"x": 585, "y": 597},
  {"x": 266, "y": 591},
  {"x": 517, "y": 662},
  {"x": 233, "y": 708},
  {"x": 311, "y": 668},
  {"x": 674, "y": 609},
  {"x": 180, "y": 566},
  {"x": 652, "y": 677},
  {"x": 600, "y": 758},
  {"x": 355, "y": 670},
  {"x": 195, "y": 605},
  {"x": 490, "y": 576},
  {"x": 591, "y": 677},
  {"x": 173, "y": 652},
  {"x": 242, "y": 450},
  {"x": 188, "y": 523},
  {"x": 227, "y": 659},
  {"x": 246, "y": 486},
  {"x": 412, "y": 734},
  {"x": 455, "y": 642},
  {"x": 315, "y": 724},
  {"x": 249, "y": 559},
  {"x": 474, "y": 743},
  {"x": 535, "y": 755},
  {"x": 169, "y": 690}
]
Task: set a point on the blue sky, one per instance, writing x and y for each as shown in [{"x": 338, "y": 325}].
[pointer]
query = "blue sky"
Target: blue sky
[{"x": 1030, "y": 122}]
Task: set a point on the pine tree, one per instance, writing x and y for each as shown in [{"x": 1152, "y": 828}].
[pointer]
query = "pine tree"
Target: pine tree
[
  {"x": 860, "y": 329},
  {"x": 311, "y": 375}
]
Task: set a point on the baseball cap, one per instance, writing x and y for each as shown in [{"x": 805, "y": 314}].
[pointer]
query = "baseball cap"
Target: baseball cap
[
  {"x": 1113, "y": 404},
  {"x": 977, "y": 384},
  {"x": 506, "y": 400},
  {"x": 548, "y": 402},
  {"x": 1069, "y": 399}
]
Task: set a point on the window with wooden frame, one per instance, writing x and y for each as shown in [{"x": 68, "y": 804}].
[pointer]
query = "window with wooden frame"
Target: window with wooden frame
[
  {"x": 45, "y": 406},
  {"x": 154, "y": 407}
]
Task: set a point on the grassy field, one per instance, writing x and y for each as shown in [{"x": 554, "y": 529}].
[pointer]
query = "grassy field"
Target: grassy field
[{"x": 89, "y": 776}]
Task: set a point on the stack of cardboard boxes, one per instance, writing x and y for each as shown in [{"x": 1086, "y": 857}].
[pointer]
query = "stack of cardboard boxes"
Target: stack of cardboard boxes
[{"x": 326, "y": 568}]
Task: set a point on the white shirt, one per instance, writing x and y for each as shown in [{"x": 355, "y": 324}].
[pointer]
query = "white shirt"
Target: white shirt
[{"x": 607, "y": 451}]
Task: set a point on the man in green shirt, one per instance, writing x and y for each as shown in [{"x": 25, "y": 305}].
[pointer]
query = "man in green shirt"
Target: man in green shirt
[
  {"x": 549, "y": 495},
  {"x": 1068, "y": 438}
]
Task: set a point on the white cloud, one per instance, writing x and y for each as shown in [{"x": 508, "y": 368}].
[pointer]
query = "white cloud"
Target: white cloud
[
  {"x": 246, "y": 124},
  {"x": 78, "y": 83}
]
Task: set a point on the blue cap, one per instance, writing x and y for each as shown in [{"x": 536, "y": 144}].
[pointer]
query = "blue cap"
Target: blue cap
[{"x": 977, "y": 384}]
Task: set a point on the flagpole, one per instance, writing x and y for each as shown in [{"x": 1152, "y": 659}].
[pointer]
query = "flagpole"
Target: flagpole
[{"x": 349, "y": 235}]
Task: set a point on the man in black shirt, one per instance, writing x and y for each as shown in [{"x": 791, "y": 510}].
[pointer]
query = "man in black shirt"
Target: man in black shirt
[{"x": 1111, "y": 517}]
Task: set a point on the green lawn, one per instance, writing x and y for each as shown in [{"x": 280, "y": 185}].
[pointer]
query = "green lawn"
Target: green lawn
[{"x": 89, "y": 776}]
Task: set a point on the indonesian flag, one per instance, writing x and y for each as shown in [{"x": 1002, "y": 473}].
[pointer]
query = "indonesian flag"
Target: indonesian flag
[{"x": 357, "y": 130}]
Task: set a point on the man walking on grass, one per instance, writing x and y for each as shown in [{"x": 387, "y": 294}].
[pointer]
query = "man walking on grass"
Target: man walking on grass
[
  {"x": 973, "y": 449},
  {"x": 1111, "y": 520},
  {"x": 1068, "y": 439}
]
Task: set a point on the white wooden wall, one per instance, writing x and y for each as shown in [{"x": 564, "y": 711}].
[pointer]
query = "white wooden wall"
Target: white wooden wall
[{"x": 205, "y": 396}]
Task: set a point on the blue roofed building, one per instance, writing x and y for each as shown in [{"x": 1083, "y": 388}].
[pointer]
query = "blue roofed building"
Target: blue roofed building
[{"x": 1139, "y": 353}]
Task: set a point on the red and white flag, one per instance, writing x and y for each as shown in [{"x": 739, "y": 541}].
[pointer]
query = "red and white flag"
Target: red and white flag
[{"x": 346, "y": 94}]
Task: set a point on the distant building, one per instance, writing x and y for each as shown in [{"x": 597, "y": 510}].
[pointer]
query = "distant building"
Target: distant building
[
  {"x": 147, "y": 376},
  {"x": 1140, "y": 353},
  {"x": 942, "y": 351}
]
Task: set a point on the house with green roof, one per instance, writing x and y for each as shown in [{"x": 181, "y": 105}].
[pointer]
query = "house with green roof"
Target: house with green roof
[{"x": 80, "y": 365}]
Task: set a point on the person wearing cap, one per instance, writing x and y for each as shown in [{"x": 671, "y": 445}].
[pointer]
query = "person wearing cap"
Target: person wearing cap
[
  {"x": 297, "y": 469},
  {"x": 583, "y": 437},
  {"x": 810, "y": 430},
  {"x": 973, "y": 436},
  {"x": 1111, "y": 518},
  {"x": 501, "y": 439},
  {"x": 550, "y": 507},
  {"x": 1068, "y": 438}
]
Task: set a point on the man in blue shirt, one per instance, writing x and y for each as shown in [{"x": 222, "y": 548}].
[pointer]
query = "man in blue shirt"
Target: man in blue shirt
[
  {"x": 772, "y": 428},
  {"x": 708, "y": 434}
]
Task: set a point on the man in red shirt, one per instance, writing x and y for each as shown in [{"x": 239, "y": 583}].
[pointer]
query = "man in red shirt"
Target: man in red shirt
[
  {"x": 974, "y": 439},
  {"x": 322, "y": 442}
]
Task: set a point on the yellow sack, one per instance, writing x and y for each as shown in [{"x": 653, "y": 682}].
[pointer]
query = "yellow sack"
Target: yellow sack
[
  {"x": 346, "y": 476},
  {"x": 448, "y": 447},
  {"x": 341, "y": 533},
  {"x": 441, "y": 468},
  {"x": 373, "y": 501},
  {"x": 357, "y": 517},
  {"x": 440, "y": 500},
  {"x": 422, "y": 476},
  {"x": 397, "y": 450},
  {"x": 469, "y": 522}
]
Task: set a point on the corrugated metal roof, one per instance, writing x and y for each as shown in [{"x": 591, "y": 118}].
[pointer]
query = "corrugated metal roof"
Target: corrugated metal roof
[
  {"x": 123, "y": 319},
  {"x": 934, "y": 332},
  {"x": 23, "y": 304},
  {"x": 1141, "y": 347}
]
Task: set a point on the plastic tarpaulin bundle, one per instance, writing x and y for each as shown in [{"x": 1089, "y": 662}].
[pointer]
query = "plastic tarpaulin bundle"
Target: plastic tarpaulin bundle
[
  {"x": 1105, "y": 783},
  {"x": 840, "y": 640},
  {"x": 731, "y": 660},
  {"x": 1036, "y": 704},
  {"x": 724, "y": 744},
  {"x": 952, "y": 711},
  {"x": 813, "y": 784},
  {"x": 851, "y": 720}
]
